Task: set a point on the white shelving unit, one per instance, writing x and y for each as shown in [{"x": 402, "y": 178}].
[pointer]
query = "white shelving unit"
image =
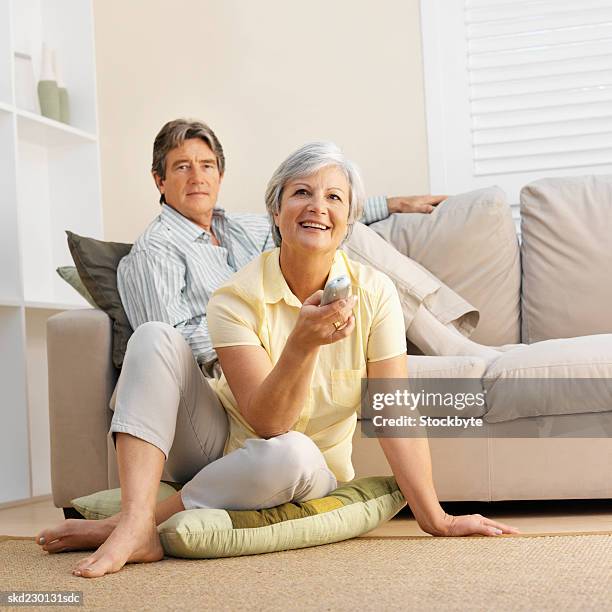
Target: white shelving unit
[{"x": 50, "y": 181}]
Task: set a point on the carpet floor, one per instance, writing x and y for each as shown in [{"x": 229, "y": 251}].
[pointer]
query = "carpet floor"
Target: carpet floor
[{"x": 532, "y": 572}]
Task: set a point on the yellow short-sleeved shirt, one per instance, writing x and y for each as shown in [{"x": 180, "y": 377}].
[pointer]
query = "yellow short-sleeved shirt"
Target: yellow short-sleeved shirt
[{"x": 256, "y": 307}]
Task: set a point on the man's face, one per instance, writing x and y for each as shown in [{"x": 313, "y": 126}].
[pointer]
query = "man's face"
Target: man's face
[{"x": 192, "y": 181}]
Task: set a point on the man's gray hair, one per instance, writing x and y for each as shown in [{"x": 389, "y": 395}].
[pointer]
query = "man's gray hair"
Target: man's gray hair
[
  {"x": 308, "y": 160},
  {"x": 174, "y": 134}
]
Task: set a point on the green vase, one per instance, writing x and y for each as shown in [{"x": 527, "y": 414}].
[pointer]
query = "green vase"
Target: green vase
[
  {"x": 64, "y": 105},
  {"x": 48, "y": 96}
]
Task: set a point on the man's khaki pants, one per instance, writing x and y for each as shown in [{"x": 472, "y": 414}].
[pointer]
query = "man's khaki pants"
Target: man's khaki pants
[{"x": 415, "y": 285}]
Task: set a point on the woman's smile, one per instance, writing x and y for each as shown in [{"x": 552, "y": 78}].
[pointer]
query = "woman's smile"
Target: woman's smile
[{"x": 314, "y": 226}]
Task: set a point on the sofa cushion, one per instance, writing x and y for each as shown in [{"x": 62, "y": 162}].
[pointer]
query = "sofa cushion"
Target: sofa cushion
[
  {"x": 97, "y": 262},
  {"x": 566, "y": 257},
  {"x": 352, "y": 509},
  {"x": 455, "y": 375},
  {"x": 553, "y": 377},
  {"x": 420, "y": 366},
  {"x": 71, "y": 276},
  {"x": 469, "y": 242},
  {"x": 102, "y": 504},
  {"x": 349, "y": 511},
  {"x": 432, "y": 375}
]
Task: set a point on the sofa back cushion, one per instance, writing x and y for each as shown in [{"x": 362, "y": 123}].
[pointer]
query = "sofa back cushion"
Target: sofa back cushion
[
  {"x": 469, "y": 242},
  {"x": 566, "y": 257}
]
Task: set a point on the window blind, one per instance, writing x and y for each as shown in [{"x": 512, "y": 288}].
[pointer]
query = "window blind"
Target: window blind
[{"x": 517, "y": 91}]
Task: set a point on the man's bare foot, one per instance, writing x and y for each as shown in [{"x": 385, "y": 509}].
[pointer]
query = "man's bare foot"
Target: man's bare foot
[
  {"x": 76, "y": 534},
  {"x": 134, "y": 540}
]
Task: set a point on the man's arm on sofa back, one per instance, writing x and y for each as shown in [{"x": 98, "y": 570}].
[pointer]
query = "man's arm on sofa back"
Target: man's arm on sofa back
[{"x": 81, "y": 381}]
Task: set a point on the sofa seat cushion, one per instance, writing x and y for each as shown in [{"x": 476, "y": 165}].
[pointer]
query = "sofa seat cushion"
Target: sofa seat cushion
[
  {"x": 458, "y": 375},
  {"x": 352, "y": 509},
  {"x": 552, "y": 377},
  {"x": 461, "y": 374}
]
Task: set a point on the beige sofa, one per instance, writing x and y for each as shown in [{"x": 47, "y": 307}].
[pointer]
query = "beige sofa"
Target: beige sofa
[{"x": 563, "y": 266}]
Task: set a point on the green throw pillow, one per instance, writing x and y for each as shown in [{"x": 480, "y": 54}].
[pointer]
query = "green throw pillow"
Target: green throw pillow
[
  {"x": 97, "y": 262},
  {"x": 71, "y": 276},
  {"x": 352, "y": 509},
  {"x": 103, "y": 504}
]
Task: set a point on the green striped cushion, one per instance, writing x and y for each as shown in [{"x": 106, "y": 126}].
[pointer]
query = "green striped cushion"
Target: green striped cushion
[
  {"x": 352, "y": 509},
  {"x": 103, "y": 504}
]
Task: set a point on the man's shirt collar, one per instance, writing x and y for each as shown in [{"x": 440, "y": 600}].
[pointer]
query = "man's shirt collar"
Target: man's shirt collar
[{"x": 188, "y": 228}]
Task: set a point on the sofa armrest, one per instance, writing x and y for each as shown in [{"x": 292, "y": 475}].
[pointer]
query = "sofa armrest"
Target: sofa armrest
[{"x": 81, "y": 381}]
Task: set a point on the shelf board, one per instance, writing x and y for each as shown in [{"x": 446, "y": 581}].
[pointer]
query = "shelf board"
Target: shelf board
[
  {"x": 42, "y": 130},
  {"x": 8, "y": 108},
  {"x": 55, "y": 305},
  {"x": 10, "y": 303}
]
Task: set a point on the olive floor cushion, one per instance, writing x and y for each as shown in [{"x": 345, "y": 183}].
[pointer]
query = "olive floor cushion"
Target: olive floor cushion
[{"x": 351, "y": 510}]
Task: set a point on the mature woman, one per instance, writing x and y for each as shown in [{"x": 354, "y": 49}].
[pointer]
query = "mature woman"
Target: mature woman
[
  {"x": 292, "y": 368},
  {"x": 290, "y": 383}
]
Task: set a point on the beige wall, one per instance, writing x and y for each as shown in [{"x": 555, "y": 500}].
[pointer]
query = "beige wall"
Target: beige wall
[{"x": 267, "y": 76}]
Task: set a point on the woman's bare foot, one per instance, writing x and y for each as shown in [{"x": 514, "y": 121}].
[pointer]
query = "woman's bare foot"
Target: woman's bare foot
[
  {"x": 134, "y": 540},
  {"x": 76, "y": 534}
]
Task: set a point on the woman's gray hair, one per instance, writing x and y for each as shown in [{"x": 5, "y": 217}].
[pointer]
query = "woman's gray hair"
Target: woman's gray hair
[{"x": 308, "y": 160}]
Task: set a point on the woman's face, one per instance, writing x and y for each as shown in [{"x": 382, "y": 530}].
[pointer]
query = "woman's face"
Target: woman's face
[{"x": 314, "y": 211}]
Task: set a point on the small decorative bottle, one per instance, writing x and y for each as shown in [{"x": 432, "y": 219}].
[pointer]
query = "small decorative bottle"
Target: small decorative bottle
[
  {"x": 48, "y": 93},
  {"x": 64, "y": 106}
]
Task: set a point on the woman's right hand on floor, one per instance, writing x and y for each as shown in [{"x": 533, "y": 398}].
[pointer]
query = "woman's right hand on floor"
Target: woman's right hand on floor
[
  {"x": 319, "y": 325},
  {"x": 475, "y": 524}
]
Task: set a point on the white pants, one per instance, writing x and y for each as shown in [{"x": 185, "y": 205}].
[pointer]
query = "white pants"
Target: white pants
[{"x": 162, "y": 397}]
